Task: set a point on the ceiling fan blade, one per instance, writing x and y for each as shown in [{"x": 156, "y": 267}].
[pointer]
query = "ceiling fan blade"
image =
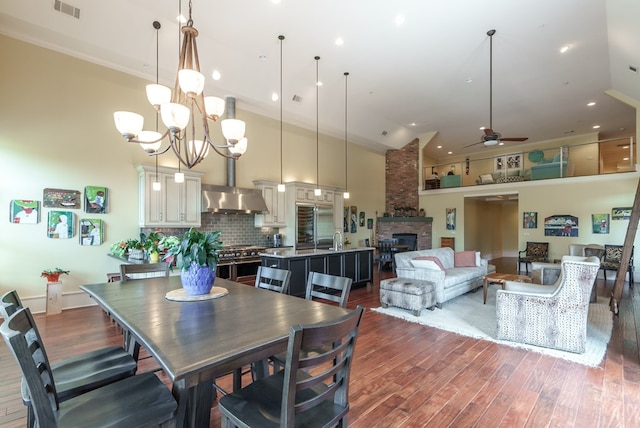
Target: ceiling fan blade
[
  {"x": 515, "y": 139},
  {"x": 474, "y": 144},
  {"x": 488, "y": 131}
]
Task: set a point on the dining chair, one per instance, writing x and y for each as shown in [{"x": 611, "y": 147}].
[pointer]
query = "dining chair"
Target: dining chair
[
  {"x": 294, "y": 396},
  {"x": 273, "y": 279},
  {"x": 386, "y": 252},
  {"x": 328, "y": 287},
  {"x": 78, "y": 374},
  {"x": 129, "y": 272},
  {"x": 141, "y": 400}
]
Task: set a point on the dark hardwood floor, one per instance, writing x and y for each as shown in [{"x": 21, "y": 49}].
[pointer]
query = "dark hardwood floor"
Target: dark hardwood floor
[{"x": 409, "y": 375}]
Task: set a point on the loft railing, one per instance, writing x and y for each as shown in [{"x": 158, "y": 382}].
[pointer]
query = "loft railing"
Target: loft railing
[{"x": 595, "y": 158}]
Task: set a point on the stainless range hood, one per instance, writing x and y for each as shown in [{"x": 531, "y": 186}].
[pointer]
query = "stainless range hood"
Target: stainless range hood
[{"x": 232, "y": 200}]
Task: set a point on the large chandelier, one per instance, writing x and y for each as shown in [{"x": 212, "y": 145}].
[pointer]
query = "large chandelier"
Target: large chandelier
[{"x": 180, "y": 112}]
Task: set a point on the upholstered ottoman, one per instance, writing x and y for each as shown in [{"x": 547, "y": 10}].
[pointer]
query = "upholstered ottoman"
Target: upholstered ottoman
[{"x": 412, "y": 294}]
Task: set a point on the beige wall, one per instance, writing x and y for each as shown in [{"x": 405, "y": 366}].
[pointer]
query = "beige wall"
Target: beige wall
[
  {"x": 57, "y": 132},
  {"x": 578, "y": 196}
]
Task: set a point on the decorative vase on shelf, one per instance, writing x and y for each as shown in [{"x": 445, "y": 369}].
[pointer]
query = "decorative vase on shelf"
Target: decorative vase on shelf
[
  {"x": 136, "y": 254},
  {"x": 197, "y": 280},
  {"x": 154, "y": 257}
]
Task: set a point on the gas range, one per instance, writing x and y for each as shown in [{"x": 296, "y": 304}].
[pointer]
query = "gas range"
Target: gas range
[{"x": 240, "y": 254}]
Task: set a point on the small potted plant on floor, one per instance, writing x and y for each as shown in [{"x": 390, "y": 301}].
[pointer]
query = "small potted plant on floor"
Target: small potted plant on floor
[
  {"x": 53, "y": 275},
  {"x": 196, "y": 255}
]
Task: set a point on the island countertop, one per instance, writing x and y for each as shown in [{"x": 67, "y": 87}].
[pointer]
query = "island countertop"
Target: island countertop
[{"x": 287, "y": 253}]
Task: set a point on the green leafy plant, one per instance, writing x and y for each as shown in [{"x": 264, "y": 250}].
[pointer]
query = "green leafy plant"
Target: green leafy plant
[
  {"x": 151, "y": 242},
  {"x": 194, "y": 246}
]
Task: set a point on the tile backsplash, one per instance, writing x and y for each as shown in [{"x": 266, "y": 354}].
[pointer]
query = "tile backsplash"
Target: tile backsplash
[{"x": 237, "y": 229}]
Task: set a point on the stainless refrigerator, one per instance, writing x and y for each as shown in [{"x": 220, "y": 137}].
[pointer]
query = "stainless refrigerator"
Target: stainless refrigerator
[{"x": 314, "y": 226}]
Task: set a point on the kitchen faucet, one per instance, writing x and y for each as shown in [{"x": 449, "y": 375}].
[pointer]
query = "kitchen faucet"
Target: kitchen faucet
[{"x": 337, "y": 245}]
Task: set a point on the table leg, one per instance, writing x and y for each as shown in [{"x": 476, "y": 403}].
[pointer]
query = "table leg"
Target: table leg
[
  {"x": 194, "y": 404},
  {"x": 485, "y": 284}
]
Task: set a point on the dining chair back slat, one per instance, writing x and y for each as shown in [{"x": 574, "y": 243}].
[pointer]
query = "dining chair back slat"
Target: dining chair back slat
[
  {"x": 328, "y": 287},
  {"x": 273, "y": 279}
]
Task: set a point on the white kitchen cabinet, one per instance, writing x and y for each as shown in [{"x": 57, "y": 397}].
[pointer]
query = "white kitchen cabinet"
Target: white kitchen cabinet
[
  {"x": 276, "y": 217},
  {"x": 175, "y": 205},
  {"x": 307, "y": 194}
]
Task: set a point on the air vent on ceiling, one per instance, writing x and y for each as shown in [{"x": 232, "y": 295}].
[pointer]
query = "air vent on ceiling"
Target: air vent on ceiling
[
  {"x": 296, "y": 98},
  {"x": 384, "y": 133},
  {"x": 67, "y": 9}
]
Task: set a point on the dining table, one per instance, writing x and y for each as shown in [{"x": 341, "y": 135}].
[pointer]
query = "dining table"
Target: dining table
[{"x": 196, "y": 341}]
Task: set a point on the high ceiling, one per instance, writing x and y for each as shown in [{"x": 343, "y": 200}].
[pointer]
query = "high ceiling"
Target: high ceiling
[{"x": 427, "y": 74}]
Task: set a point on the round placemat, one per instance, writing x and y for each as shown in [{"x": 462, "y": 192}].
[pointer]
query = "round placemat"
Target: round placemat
[{"x": 180, "y": 295}]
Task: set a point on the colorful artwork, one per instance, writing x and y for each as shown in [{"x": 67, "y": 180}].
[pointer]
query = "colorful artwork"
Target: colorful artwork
[
  {"x": 369, "y": 223},
  {"x": 561, "y": 225},
  {"x": 621, "y": 213},
  {"x": 529, "y": 220},
  {"x": 354, "y": 219},
  {"x": 61, "y": 198},
  {"x": 600, "y": 223},
  {"x": 24, "y": 211},
  {"x": 451, "y": 219},
  {"x": 345, "y": 220},
  {"x": 91, "y": 231},
  {"x": 361, "y": 218},
  {"x": 95, "y": 199},
  {"x": 60, "y": 225}
]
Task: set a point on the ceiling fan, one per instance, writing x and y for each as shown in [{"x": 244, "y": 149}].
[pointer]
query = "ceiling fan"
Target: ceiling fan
[{"x": 491, "y": 137}]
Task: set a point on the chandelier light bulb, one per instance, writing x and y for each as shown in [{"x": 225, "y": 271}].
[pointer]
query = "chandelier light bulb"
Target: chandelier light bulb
[
  {"x": 191, "y": 82},
  {"x": 198, "y": 147},
  {"x": 214, "y": 106},
  {"x": 233, "y": 129},
  {"x": 240, "y": 147},
  {"x": 128, "y": 124},
  {"x": 150, "y": 141},
  {"x": 158, "y": 95},
  {"x": 175, "y": 116}
]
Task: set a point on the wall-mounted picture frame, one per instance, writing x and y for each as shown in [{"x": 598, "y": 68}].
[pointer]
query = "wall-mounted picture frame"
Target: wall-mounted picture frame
[
  {"x": 345, "y": 219},
  {"x": 600, "y": 223},
  {"x": 91, "y": 231},
  {"x": 369, "y": 223},
  {"x": 61, "y": 198},
  {"x": 361, "y": 219},
  {"x": 24, "y": 211},
  {"x": 96, "y": 199},
  {"x": 561, "y": 225},
  {"x": 621, "y": 213},
  {"x": 353, "y": 216},
  {"x": 529, "y": 220},
  {"x": 451, "y": 219},
  {"x": 60, "y": 224},
  {"x": 510, "y": 162}
]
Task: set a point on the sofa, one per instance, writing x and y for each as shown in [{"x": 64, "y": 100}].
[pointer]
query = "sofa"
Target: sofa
[{"x": 452, "y": 273}]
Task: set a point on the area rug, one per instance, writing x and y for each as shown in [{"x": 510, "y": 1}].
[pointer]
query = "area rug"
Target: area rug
[{"x": 467, "y": 316}]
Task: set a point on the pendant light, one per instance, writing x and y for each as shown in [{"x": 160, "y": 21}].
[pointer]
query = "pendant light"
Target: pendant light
[
  {"x": 346, "y": 166},
  {"x": 156, "y": 186},
  {"x": 317, "y": 191},
  {"x": 281, "y": 187}
]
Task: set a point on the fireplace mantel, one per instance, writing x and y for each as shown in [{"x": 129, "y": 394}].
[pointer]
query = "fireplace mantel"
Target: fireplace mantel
[{"x": 421, "y": 226}]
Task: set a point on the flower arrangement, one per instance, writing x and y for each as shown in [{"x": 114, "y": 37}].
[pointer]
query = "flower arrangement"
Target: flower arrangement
[
  {"x": 152, "y": 242},
  {"x": 122, "y": 247},
  {"x": 194, "y": 246},
  {"x": 53, "y": 275}
]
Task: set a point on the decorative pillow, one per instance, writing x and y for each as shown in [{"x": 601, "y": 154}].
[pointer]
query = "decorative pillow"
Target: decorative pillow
[
  {"x": 464, "y": 259},
  {"x": 427, "y": 262},
  {"x": 477, "y": 258},
  {"x": 486, "y": 179}
]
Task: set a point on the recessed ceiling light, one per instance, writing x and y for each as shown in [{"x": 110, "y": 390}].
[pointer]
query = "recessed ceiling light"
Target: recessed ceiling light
[
  {"x": 275, "y": 97},
  {"x": 625, "y": 159},
  {"x": 591, "y": 104},
  {"x": 564, "y": 49},
  {"x": 399, "y": 19},
  {"x": 438, "y": 147},
  {"x": 215, "y": 75},
  {"x": 596, "y": 126},
  {"x": 413, "y": 124},
  {"x": 319, "y": 83},
  {"x": 482, "y": 128},
  {"x": 339, "y": 41},
  {"x": 449, "y": 153},
  {"x": 625, "y": 147},
  {"x": 275, "y": 1},
  {"x": 501, "y": 143},
  {"x": 181, "y": 19}
]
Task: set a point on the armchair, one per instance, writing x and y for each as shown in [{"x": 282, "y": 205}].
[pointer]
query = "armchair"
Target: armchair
[
  {"x": 535, "y": 252},
  {"x": 612, "y": 258},
  {"x": 551, "y": 317}
]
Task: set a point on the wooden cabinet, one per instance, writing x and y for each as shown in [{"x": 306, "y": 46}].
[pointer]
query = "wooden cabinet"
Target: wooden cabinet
[
  {"x": 448, "y": 242},
  {"x": 175, "y": 204},
  {"x": 307, "y": 194},
  {"x": 276, "y": 217}
]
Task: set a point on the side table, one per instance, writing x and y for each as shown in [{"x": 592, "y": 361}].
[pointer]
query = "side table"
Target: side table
[{"x": 500, "y": 278}]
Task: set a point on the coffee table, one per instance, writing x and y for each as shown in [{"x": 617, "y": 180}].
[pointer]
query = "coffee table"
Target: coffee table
[{"x": 500, "y": 278}]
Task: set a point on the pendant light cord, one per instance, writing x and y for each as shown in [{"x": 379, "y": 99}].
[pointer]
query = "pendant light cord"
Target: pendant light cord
[
  {"x": 281, "y": 38},
  {"x": 346, "y": 169},
  {"x": 317, "y": 58}
]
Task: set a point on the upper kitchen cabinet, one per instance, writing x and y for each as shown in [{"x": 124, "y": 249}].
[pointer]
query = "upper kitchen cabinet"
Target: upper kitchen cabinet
[
  {"x": 175, "y": 204},
  {"x": 276, "y": 217},
  {"x": 306, "y": 193}
]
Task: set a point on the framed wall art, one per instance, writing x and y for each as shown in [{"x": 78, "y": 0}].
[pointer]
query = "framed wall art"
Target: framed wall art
[
  {"x": 451, "y": 219},
  {"x": 561, "y": 225},
  {"x": 354, "y": 219},
  {"x": 621, "y": 213},
  {"x": 60, "y": 225},
  {"x": 24, "y": 211},
  {"x": 96, "y": 199},
  {"x": 91, "y": 231},
  {"x": 61, "y": 198},
  {"x": 600, "y": 223},
  {"x": 529, "y": 220}
]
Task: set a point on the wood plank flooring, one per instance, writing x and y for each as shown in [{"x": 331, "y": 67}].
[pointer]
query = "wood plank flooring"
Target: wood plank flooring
[{"x": 409, "y": 375}]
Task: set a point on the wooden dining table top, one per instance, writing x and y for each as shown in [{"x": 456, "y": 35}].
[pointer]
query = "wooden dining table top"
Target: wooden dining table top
[{"x": 196, "y": 341}]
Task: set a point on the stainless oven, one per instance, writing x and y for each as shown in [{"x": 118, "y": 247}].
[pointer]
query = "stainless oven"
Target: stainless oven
[{"x": 239, "y": 263}]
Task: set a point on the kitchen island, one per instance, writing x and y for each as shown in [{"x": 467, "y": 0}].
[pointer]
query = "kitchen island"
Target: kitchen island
[{"x": 352, "y": 262}]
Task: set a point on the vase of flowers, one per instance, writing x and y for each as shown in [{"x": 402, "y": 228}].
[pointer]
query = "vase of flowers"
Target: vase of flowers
[
  {"x": 53, "y": 275},
  {"x": 196, "y": 255}
]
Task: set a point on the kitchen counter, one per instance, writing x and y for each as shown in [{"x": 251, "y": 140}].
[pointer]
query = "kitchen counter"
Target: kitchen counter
[
  {"x": 351, "y": 262},
  {"x": 285, "y": 253}
]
